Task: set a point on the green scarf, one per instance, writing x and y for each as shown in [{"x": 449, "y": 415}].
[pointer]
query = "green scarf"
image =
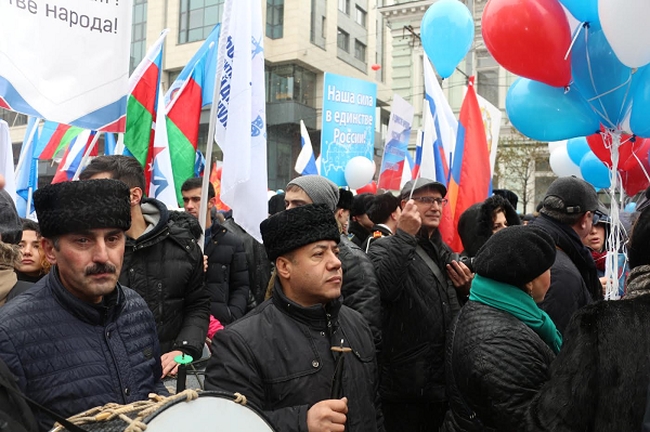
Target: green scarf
[{"x": 517, "y": 303}]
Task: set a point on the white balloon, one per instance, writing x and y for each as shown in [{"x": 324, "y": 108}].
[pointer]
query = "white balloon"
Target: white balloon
[
  {"x": 625, "y": 24},
  {"x": 359, "y": 172},
  {"x": 556, "y": 144},
  {"x": 562, "y": 165}
]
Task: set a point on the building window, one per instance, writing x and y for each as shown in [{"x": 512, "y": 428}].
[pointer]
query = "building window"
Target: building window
[
  {"x": 13, "y": 118},
  {"x": 274, "y": 18},
  {"x": 343, "y": 40},
  {"x": 138, "y": 33},
  {"x": 488, "y": 85},
  {"x": 360, "y": 17},
  {"x": 359, "y": 51},
  {"x": 291, "y": 83},
  {"x": 198, "y": 18},
  {"x": 344, "y": 6},
  {"x": 323, "y": 29}
]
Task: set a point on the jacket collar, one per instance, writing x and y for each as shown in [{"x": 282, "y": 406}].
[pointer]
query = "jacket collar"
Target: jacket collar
[
  {"x": 317, "y": 316},
  {"x": 94, "y": 314}
]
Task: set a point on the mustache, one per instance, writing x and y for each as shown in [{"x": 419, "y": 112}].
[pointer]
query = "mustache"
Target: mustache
[{"x": 100, "y": 269}]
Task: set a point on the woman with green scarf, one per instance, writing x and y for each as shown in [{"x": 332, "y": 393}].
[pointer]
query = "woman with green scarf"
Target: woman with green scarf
[{"x": 501, "y": 345}]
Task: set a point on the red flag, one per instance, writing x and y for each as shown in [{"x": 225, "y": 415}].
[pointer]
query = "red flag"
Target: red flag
[
  {"x": 469, "y": 182},
  {"x": 215, "y": 179}
]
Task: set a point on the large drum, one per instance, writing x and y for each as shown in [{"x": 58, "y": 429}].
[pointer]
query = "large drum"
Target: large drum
[{"x": 209, "y": 412}]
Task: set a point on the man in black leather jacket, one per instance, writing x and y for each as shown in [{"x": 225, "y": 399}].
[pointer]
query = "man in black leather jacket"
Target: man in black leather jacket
[
  {"x": 162, "y": 262},
  {"x": 284, "y": 355}
]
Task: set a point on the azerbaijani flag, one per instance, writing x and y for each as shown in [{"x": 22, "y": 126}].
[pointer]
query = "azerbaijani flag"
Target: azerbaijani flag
[
  {"x": 470, "y": 174},
  {"x": 192, "y": 90},
  {"x": 54, "y": 139},
  {"x": 141, "y": 105},
  {"x": 73, "y": 156}
]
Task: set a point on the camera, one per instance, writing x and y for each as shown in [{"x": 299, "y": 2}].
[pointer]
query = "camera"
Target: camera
[{"x": 468, "y": 261}]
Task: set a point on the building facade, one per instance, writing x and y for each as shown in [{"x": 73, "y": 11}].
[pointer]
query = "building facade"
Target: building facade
[{"x": 304, "y": 39}]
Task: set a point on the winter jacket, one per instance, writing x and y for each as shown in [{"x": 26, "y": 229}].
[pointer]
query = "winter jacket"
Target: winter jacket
[
  {"x": 418, "y": 308},
  {"x": 495, "y": 365},
  {"x": 378, "y": 231},
  {"x": 360, "y": 290},
  {"x": 227, "y": 275},
  {"x": 574, "y": 281},
  {"x": 280, "y": 357},
  {"x": 357, "y": 233},
  {"x": 165, "y": 266},
  {"x": 69, "y": 355},
  {"x": 259, "y": 265},
  {"x": 600, "y": 378}
]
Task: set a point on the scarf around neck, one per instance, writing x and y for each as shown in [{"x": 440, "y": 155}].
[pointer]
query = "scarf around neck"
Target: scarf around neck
[{"x": 517, "y": 303}]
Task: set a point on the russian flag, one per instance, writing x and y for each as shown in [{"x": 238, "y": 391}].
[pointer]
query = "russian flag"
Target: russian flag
[
  {"x": 54, "y": 138},
  {"x": 470, "y": 174},
  {"x": 305, "y": 164},
  {"x": 73, "y": 156}
]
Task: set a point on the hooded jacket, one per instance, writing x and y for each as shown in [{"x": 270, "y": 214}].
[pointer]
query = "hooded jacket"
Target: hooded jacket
[{"x": 165, "y": 266}]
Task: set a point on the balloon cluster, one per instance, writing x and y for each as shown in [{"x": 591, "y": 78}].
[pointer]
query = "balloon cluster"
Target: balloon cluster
[{"x": 592, "y": 81}]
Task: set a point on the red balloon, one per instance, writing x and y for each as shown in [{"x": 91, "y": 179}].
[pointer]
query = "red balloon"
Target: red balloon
[
  {"x": 601, "y": 144},
  {"x": 375, "y": 67},
  {"x": 369, "y": 188},
  {"x": 529, "y": 38}
]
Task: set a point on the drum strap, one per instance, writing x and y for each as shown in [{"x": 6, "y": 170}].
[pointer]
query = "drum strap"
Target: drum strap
[{"x": 65, "y": 423}]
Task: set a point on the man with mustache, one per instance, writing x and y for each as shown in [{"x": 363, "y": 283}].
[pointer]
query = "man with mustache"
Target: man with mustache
[
  {"x": 283, "y": 355},
  {"x": 418, "y": 280},
  {"x": 78, "y": 339}
]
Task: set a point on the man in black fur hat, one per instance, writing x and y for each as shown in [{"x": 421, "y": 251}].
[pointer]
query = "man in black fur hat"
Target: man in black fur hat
[
  {"x": 78, "y": 339},
  {"x": 284, "y": 355},
  {"x": 162, "y": 262},
  {"x": 568, "y": 212}
]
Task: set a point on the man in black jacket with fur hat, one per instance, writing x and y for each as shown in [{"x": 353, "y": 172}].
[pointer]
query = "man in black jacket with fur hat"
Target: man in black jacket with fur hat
[
  {"x": 162, "y": 262},
  {"x": 567, "y": 214},
  {"x": 285, "y": 354}
]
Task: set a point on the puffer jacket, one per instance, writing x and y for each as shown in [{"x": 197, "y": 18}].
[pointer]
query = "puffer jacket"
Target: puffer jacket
[
  {"x": 417, "y": 309},
  {"x": 360, "y": 289},
  {"x": 227, "y": 275},
  {"x": 69, "y": 355},
  {"x": 600, "y": 378},
  {"x": 259, "y": 265},
  {"x": 495, "y": 365},
  {"x": 165, "y": 266},
  {"x": 280, "y": 357}
]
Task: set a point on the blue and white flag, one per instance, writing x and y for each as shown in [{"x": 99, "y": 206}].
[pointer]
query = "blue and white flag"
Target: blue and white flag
[
  {"x": 305, "y": 164},
  {"x": 162, "y": 186},
  {"x": 7, "y": 160},
  {"x": 27, "y": 170},
  {"x": 241, "y": 114},
  {"x": 199, "y": 164}
]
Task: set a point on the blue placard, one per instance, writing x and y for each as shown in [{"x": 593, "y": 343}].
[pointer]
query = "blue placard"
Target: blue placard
[{"x": 348, "y": 127}]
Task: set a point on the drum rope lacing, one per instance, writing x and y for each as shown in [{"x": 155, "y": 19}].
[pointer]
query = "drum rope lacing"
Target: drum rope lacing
[{"x": 145, "y": 409}]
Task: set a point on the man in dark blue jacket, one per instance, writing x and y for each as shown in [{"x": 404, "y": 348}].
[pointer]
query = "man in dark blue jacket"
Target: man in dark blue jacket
[{"x": 78, "y": 339}]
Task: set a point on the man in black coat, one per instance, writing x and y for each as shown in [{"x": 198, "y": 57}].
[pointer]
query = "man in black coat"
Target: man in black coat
[
  {"x": 162, "y": 262},
  {"x": 78, "y": 339},
  {"x": 384, "y": 211},
  {"x": 567, "y": 214},
  {"x": 302, "y": 357},
  {"x": 417, "y": 278},
  {"x": 360, "y": 290},
  {"x": 227, "y": 274}
]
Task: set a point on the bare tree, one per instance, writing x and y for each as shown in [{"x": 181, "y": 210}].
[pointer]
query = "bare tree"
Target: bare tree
[{"x": 519, "y": 161}]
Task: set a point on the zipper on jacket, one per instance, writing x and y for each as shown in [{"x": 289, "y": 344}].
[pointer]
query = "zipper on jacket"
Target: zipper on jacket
[{"x": 107, "y": 336}]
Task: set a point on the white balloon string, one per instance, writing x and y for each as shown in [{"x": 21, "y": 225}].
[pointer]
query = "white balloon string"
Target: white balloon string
[
  {"x": 576, "y": 33},
  {"x": 613, "y": 240},
  {"x": 593, "y": 84},
  {"x": 641, "y": 165}
]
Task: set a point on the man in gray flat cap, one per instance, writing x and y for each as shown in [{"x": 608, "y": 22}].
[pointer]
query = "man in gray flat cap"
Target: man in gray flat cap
[{"x": 360, "y": 290}]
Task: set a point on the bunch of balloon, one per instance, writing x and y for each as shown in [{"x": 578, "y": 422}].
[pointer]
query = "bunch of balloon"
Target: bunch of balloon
[
  {"x": 592, "y": 82},
  {"x": 447, "y": 33}
]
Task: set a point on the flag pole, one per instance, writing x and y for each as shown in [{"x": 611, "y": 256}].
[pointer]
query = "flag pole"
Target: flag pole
[
  {"x": 203, "y": 207},
  {"x": 86, "y": 155},
  {"x": 23, "y": 154}
]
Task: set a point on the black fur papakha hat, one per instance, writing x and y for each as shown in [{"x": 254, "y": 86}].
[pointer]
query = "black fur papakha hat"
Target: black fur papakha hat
[
  {"x": 515, "y": 255},
  {"x": 75, "y": 206},
  {"x": 290, "y": 229}
]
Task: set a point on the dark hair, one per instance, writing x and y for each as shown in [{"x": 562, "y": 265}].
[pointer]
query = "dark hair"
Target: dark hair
[
  {"x": 30, "y": 225},
  {"x": 124, "y": 168},
  {"x": 360, "y": 204},
  {"x": 382, "y": 206},
  {"x": 197, "y": 183}
]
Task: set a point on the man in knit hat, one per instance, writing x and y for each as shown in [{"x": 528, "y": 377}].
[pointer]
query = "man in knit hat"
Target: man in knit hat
[
  {"x": 414, "y": 268},
  {"x": 78, "y": 339},
  {"x": 360, "y": 290},
  {"x": 568, "y": 212},
  {"x": 284, "y": 355}
]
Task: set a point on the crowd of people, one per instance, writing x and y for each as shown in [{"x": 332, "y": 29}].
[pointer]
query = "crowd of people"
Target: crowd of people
[{"x": 352, "y": 315}]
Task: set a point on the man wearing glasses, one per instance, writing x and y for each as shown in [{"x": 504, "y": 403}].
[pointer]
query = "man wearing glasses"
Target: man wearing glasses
[
  {"x": 570, "y": 208},
  {"x": 418, "y": 283}
]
